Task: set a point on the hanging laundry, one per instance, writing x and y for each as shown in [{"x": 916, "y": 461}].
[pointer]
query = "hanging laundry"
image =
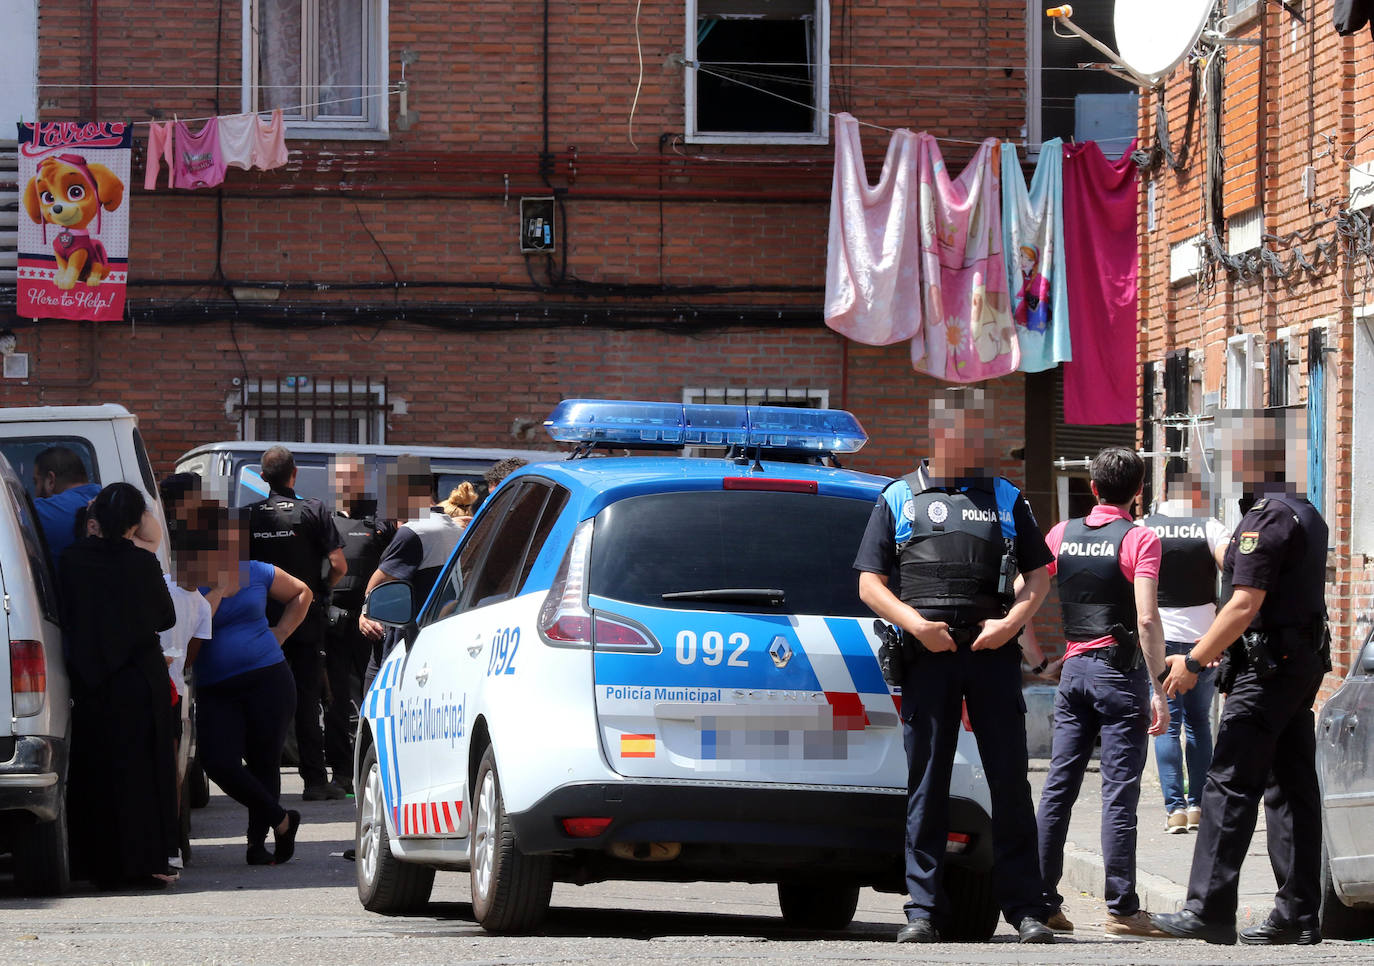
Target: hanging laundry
[
  {"x": 236, "y": 139},
  {"x": 967, "y": 333},
  {"x": 1350, "y": 15},
  {"x": 199, "y": 163},
  {"x": 1033, "y": 239},
  {"x": 1100, "y": 198},
  {"x": 872, "y": 284},
  {"x": 269, "y": 142},
  {"x": 161, "y": 150}
]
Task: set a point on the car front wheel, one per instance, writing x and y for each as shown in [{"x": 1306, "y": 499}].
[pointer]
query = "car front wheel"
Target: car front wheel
[
  {"x": 510, "y": 890},
  {"x": 385, "y": 883}
]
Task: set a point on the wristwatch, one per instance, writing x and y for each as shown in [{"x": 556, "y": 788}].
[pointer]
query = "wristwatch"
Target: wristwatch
[
  {"x": 1193, "y": 666},
  {"x": 1040, "y": 668}
]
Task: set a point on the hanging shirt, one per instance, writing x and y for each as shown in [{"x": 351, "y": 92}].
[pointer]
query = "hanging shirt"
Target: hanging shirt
[
  {"x": 967, "y": 333},
  {"x": 1350, "y": 15},
  {"x": 236, "y": 139},
  {"x": 872, "y": 285},
  {"x": 269, "y": 142},
  {"x": 1100, "y": 233},
  {"x": 199, "y": 163},
  {"x": 160, "y": 150},
  {"x": 1033, "y": 240}
]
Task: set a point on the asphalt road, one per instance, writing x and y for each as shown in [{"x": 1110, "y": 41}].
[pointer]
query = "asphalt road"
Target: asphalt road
[{"x": 306, "y": 912}]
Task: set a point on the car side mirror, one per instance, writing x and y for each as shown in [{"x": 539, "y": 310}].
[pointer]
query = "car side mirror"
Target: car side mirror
[
  {"x": 1367, "y": 662},
  {"x": 391, "y": 603}
]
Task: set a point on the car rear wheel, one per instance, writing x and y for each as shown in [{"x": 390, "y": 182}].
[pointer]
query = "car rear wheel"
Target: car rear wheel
[
  {"x": 385, "y": 883},
  {"x": 1339, "y": 921},
  {"x": 197, "y": 784},
  {"x": 816, "y": 905},
  {"x": 510, "y": 890},
  {"x": 42, "y": 858},
  {"x": 972, "y": 902}
]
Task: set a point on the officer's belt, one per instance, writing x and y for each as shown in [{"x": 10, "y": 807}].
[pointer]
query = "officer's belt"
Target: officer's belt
[{"x": 963, "y": 637}]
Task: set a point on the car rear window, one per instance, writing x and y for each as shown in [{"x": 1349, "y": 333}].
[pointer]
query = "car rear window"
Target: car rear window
[
  {"x": 22, "y": 451},
  {"x": 800, "y": 543}
]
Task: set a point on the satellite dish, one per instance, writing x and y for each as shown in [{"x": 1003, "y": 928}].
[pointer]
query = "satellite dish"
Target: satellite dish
[{"x": 1153, "y": 36}]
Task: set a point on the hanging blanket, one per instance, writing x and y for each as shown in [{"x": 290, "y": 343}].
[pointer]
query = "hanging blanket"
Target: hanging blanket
[
  {"x": 1033, "y": 238},
  {"x": 872, "y": 290},
  {"x": 1100, "y": 198},
  {"x": 967, "y": 333}
]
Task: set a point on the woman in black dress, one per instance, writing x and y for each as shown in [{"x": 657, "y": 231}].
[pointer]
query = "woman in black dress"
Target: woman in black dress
[{"x": 122, "y": 783}]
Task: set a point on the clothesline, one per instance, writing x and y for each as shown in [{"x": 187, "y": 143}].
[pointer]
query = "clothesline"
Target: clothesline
[{"x": 291, "y": 109}]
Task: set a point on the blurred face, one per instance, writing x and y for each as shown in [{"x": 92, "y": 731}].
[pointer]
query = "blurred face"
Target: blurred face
[
  {"x": 959, "y": 441},
  {"x": 350, "y": 481},
  {"x": 44, "y": 484}
]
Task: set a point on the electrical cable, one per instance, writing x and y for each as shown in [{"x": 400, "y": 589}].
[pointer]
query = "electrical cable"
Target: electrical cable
[{"x": 639, "y": 83}]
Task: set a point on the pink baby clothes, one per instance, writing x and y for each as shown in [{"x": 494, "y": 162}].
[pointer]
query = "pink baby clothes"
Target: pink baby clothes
[
  {"x": 236, "y": 139},
  {"x": 872, "y": 277},
  {"x": 269, "y": 142},
  {"x": 199, "y": 163},
  {"x": 160, "y": 150}
]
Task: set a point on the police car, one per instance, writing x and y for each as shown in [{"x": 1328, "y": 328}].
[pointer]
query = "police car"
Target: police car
[{"x": 654, "y": 668}]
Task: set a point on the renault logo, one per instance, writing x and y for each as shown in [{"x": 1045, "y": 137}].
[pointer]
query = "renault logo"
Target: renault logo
[{"x": 780, "y": 651}]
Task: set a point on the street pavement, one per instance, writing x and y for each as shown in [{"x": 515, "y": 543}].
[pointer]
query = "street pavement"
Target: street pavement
[{"x": 224, "y": 912}]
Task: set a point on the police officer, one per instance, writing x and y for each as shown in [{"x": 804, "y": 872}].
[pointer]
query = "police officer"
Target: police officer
[
  {"x": 364, "y": 538},
  {"x": 1194, "y": 548},
  {"x": 1107, "y": 569},
  {"x": 1274, "y": 574},
  {"x": 940, "y": 559},
  {"x": 297, "y": 535}
]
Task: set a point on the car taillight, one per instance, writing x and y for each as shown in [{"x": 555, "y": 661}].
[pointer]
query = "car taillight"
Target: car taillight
[
  {"x": 564, "y": 619},
  {"x": 28, "y": 677},
  {"x": 764, "y": 483},
  {"x": 585, "y": 827}
]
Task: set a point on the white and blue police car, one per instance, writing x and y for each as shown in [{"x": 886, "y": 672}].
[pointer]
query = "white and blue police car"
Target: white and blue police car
[{"x": 655, "y": 668}]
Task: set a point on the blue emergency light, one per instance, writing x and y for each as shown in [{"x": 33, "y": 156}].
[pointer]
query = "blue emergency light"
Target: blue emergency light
[{"x": 632, "y": 423}]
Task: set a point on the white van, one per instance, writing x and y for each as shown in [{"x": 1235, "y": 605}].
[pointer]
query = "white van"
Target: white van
[{"x": 35, "y": 707}]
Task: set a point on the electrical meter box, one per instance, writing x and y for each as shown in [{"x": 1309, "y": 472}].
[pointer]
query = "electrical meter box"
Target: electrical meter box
[{"x": 536, "y": 225}]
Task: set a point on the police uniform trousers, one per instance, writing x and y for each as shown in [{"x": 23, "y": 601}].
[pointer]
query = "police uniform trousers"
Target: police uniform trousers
[
  {"x": 1266, "y": 746},
  {"x": 933, "y": 689},
  {"x": 345, "y": 665},
  {"x": 1094, "y": 699},
  {"x": 303, "y": 651}
]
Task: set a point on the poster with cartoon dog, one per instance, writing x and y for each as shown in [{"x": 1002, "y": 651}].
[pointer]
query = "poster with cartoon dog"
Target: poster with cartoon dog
[{"x": 74, "y": 223}]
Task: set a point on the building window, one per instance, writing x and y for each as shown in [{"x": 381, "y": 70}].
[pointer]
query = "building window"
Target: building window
[
  {"x": 1244, "y": 372},
  {"x": 323, "y": 62},
  {"x": 300, "y": 409},
  {"x": 796, "y": 397},
  {"x": 762, "y": 71},
  {"x": 1065, "y": 101}
]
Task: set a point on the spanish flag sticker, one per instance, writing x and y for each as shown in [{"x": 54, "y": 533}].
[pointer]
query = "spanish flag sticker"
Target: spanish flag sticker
[{"x": 636, "y": 746}]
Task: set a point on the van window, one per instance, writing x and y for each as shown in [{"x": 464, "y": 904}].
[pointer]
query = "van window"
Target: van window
[
  {"x": 802, "y": 544},
  {"x": 22, "y": 451},
  {"x": 145, "y": 468},
  {"x": 34, "y": 549}
]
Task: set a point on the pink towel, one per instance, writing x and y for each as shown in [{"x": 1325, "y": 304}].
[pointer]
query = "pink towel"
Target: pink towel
[
  {"x": 872, "y": 283},
  {"x": 160, "y": 149},
  {"x": 1100, "y": 198},
  {"x": 968, "y": 334}
]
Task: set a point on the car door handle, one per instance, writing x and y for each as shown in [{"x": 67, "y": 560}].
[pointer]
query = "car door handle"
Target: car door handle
[
  {"x": 1351, "y": 723},
  {"x": 422, "y": 676},
  {"x": 475, "y": 649}
]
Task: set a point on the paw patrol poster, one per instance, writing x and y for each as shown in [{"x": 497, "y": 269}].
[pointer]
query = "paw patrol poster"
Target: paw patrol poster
[{"x": 74, "y": 219}]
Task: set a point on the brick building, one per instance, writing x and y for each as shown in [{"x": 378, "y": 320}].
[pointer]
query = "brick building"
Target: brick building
[{"x": 1255, "y": 260}]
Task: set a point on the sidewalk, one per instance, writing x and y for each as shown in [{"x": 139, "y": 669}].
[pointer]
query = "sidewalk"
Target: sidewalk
[{"x": 1162, "y": 860}]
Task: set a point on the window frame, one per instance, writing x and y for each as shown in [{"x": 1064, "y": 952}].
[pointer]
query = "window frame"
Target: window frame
[
  {"x": 377, "y": 98},
  {"x": 820, "y": 130},
  {"x": 251, "y": 403}
]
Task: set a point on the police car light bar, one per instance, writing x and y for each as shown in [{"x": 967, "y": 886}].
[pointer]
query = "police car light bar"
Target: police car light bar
[{"x": 632, "y": 423}]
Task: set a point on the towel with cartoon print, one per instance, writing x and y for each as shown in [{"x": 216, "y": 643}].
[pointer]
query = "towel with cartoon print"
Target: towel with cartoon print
[
  {"x": 1033, "y": 239},
  {"x": 967, "y": 333}
]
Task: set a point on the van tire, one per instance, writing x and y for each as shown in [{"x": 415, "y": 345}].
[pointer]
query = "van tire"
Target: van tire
[
  {"x": 42, "y": 855},
  {"x": 510, "y": 890},
  {"x": 1339, "y": 921},
  {"x": 197, "y": 784},
  {"x": 386, "y": 885},
  {"x": 972, "y": 903},
  {"x": 816, "y": 905}
]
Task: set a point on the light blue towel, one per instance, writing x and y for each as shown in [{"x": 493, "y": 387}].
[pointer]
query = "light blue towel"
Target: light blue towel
[{"x": 1033, "y": 239}]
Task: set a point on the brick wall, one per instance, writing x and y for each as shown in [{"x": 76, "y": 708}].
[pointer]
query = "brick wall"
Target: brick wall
[{"x": 1298, "y": 97}]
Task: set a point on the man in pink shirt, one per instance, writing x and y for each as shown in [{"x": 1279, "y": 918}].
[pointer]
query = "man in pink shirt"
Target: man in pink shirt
[{"x": 1107, "y": 568}]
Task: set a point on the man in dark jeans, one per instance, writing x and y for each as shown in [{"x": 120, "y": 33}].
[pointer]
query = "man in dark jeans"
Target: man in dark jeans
[{"x": 297, "y": 535}]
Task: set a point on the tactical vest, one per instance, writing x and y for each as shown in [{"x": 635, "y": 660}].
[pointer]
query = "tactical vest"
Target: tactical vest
[
  {"x": 1093, "y": 592},
  {"x": 277, "y": 539},
  {"x": 363, "y": 545},
  {"x": 1187, "y": 569},
  {"x": 950, "y": 566},
  {"x": 1298, "y": 598}
]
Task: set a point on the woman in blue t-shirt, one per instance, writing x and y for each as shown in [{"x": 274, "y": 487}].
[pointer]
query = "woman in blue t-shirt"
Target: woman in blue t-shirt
[{"x": 245, "y": 694}]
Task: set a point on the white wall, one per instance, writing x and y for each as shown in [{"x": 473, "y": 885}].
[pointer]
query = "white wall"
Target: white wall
[{"x": 18, "y": 64}]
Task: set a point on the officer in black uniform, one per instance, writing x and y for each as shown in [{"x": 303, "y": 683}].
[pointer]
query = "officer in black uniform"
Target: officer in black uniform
[
  {"x": 297, "y": 535},
  {"x": 1275, "y": 578},
  {"x": 364, "y": 538},
  {"x": 952, "y": 540}
]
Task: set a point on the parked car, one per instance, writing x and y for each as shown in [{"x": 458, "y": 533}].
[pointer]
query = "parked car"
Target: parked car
[
  {"x": 1345, "y": 764},
  {"x": 653, "y": 667},
  {"x": 232, "y": 470},
  {"x": 33, "y": 754}
]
